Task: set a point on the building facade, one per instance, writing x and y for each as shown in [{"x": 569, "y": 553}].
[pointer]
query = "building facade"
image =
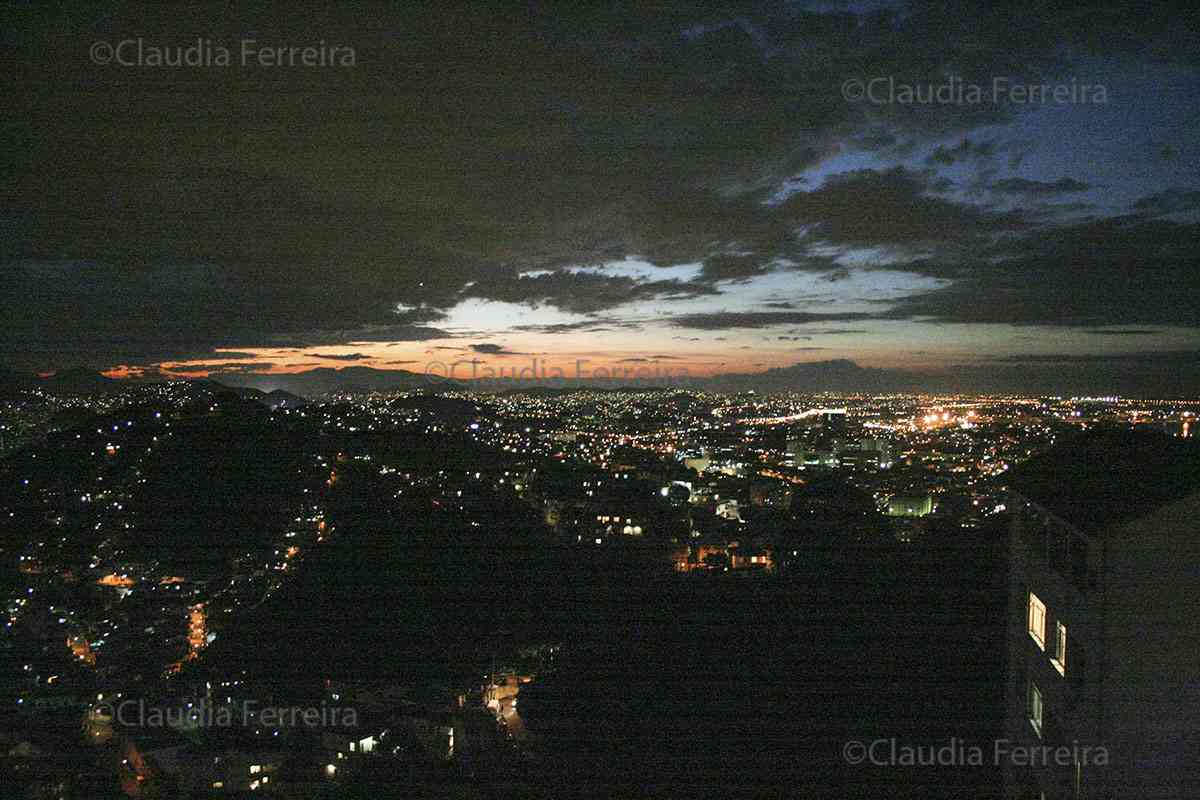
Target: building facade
[{"x": 1103, "y": 682}]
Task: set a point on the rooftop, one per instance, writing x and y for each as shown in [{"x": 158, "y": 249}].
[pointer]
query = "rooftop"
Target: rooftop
[{"x": 1107, "y": 477}]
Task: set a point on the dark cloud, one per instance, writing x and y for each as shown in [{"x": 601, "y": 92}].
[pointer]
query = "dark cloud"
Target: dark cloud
[
  {"x": 335, "y": 357},
  {"x": 591, "y": 326},
  {"x": 235, "y": 354},
  {"x": 579, "y": 292},
  {"x": 129, "y": 313},
  {"x": 1179, "y": 357},
  {"x": 1125, "y": 332},
  {"x": 1171, "y": 201},
  {"x": 735, "y": 267},
  {"x": 365, "y": 333},
  {"x": 964, "y": 151},
  {"x": 1168, "y": 152},
  {"x": 304, "y": 207},
  {"x": 250, "y": 366},
  {"x": 639, "y": 359},
  {"x": 1062, "y": 212},
  {"x": 1039, "y": 188},
  {"x": 494, "y": 350},
  {"x": 560, "y": 327},
  {"x": 647, "y": 359},
  {"x": 870, "y": 208},
  {"x": 1123, "y": 271},
  {"x": 723, "y": 320}
]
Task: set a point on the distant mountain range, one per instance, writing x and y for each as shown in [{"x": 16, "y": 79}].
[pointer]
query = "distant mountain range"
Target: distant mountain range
[
  {"x": 1149, "y": 377},
  {"x": 68, "y": 381},
  {"x": 818, "y": 376},
  {"x": 80, "y": 381},
  {"x": 838, "y": 375},
  {"x": 291, "y": 389},
  {"x": 325, "y": 380},
  {"x": 273, "y": 399},
  {"x": 271, "y": 390}
]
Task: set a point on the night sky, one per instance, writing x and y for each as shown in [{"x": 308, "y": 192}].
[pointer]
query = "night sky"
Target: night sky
[{"x": 685, "y": 186}]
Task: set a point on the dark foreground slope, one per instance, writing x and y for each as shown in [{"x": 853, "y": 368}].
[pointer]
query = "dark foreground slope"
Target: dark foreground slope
[
  {"x": 681, "y": 686},
  {"x": 760, "y": 688}
]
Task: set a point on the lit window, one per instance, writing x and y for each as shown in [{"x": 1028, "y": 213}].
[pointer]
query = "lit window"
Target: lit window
[
  {"x": 255, "y": 769},
  {"x": 1037, "y": 620},
  {"x": 1035, "y": 707},
  {"x": 1060, "y": 648}
]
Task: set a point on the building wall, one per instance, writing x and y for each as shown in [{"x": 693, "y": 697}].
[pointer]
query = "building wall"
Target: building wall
[
  {"x": 1152, "y": 677},
  {"x": 1070, "y": 700},
  {"x": 1131, "y": 683}
]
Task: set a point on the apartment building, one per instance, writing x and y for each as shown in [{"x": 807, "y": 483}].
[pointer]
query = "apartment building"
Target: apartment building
[{"x": 1103, "y": 687}]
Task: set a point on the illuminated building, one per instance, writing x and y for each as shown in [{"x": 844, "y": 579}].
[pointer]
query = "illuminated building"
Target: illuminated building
[
  {"x": 823, "y": 451},
  {"x": 833, "y": 420},
  {"x": 880, "y": 449},
  {"x": 730, "y": 510},
  {"x": 910, "y": 506},
  {"x": 750, "y": 557},
  {"x": 235, "y": 769}
]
